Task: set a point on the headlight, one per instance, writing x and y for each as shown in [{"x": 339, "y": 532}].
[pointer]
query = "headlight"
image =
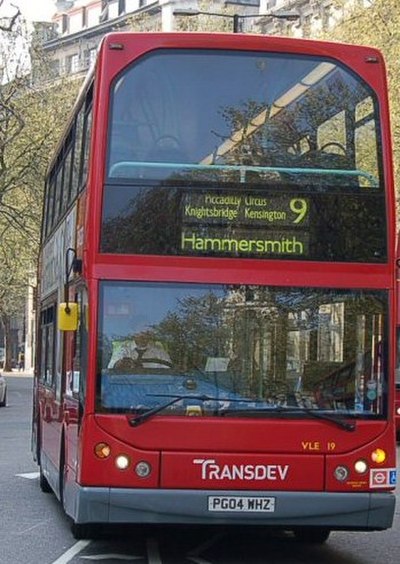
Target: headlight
[
  {"x": 361, "y": 467},
  {"x": 122, "y": 462}
]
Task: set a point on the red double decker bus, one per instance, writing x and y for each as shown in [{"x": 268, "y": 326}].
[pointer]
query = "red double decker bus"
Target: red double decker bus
[
  {"x": 397, "y": 370},
  {"x": 217, "y": 289}
]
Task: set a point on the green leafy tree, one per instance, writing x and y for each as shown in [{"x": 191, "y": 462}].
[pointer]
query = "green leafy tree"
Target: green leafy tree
[
  {"x": 375, "y": 23},
  {"x": 15, "y": 257},
  {"x": 30, "y": 123}
]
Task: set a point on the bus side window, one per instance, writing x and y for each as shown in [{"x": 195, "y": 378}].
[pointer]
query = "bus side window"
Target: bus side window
[
  {"x": 76, "y": 375},
  {"x": 47, "y": 328},
  {"x": 77, "y": 155},
  {"x": 365, "y": 138}
]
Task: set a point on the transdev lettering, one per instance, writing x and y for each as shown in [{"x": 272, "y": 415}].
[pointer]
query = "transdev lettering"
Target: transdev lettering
[{"x": 211, "y": 470}]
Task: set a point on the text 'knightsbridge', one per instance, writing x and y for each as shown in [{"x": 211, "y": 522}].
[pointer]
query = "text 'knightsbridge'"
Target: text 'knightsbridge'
[
  {"x": 211, "y": 470},
  {"x": 280, "y": 246}
]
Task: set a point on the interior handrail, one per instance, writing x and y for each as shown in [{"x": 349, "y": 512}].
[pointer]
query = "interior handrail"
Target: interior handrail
[{"x": 243, "y": 169}]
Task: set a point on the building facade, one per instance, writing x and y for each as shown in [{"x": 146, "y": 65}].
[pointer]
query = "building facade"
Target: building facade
[{"x": 72, "y": 38}]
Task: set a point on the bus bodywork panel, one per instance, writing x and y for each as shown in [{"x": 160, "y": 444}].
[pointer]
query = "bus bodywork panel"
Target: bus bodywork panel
[
  {"x": 194, "y": 454},
  {"x": 176, "y": 506}
]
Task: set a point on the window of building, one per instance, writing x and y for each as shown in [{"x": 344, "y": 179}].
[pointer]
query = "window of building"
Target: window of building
[
  {"x": 131, "y": 5},
  {"x": 73, "y": 63},
  {"x": 55, "y": 68},
  {"x": 64, "y": 23},
  {"x": 326, "y": 12},
  {"x": 92, "y": 55},
  {"x": 93, "y": 15},
  {"x": 113, "y": 9},
  {"x": 75, "y": 22}
]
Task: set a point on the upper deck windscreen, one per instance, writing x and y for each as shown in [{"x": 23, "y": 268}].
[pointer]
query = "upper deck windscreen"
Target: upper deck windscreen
[{"x": 246, "y": 142}]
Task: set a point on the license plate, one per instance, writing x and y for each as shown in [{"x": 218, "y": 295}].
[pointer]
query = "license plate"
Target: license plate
[{"x": 242, "y": 503}]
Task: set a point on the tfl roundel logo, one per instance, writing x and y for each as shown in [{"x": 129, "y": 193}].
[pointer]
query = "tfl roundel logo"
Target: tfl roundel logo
[{"x": 382, "y": 478}]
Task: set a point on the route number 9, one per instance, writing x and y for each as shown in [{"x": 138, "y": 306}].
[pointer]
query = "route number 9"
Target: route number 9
[{"x": 299, "y": 206}]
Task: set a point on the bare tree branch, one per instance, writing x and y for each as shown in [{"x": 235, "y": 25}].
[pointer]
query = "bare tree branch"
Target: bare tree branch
[{"x": 7, "y": 23}]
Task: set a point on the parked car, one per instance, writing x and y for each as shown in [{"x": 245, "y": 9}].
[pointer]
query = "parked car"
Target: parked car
[{"x": 3, "y": 391}]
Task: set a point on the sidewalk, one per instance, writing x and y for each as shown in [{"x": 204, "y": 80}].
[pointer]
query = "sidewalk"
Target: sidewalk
[{"x": 16, "y": 372}]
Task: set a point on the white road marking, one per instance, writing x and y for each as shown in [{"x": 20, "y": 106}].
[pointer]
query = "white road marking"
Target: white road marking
[
  {"x": 110, "y": 556},
  {"x": 29, "y": 475},
  {"x": 153, "y": 554},
  {"x": 73, "y": 551},
  {"x": 29, "y": 529}
]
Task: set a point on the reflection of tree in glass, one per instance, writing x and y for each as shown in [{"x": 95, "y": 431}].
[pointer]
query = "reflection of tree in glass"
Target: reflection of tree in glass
[
  {"x": 149, "y": 223},
  {"x": 279, "y": 136},
  {"x": 256, "y": 138},
  {"x": 195, "y": 331},
  {"x": 245, "y": 136},
  {"x": 104, "y": 350}
]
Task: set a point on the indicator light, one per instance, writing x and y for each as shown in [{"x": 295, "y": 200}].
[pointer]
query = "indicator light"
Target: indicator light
[
  {"x": 143, "y": 469},
  {"x": 361, "y": 467},
  {"x": 378, "y": 456},
  {"x": 102, "y": 450},
  {"x": 398, "y": 411},
  {"x": 341, "y": 473},
  {"x": 122, "y": 462}
]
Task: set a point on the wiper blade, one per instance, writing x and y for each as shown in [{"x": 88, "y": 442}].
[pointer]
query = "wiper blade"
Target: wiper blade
[
  {"x": 135, "y": 421},
  {"x": 331, "y": 418},
  {"x": 281, "y": 409},
  {"x": 318, "y": 415}
]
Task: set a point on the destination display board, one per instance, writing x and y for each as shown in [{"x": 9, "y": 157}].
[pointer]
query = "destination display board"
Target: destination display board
[
  {"x": 336, "y": 225},
  {"x": 240, "y": 224}
]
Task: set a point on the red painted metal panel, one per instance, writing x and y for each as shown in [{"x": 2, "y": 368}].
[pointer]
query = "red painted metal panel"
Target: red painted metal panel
[
  {"x": 241, "y": 472},
  {"x": 93, "y": 471},
  {"x": 356, "y": 481},
  {"x": 197, "y": 434}
]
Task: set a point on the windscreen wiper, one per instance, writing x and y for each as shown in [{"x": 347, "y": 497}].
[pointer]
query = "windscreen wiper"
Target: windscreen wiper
[
  {"x": 332, "y": 418},
  {"x": 135, "y": 421}
]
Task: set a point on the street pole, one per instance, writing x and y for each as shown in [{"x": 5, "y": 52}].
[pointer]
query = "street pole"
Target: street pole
[{"x": 236, "y": 23}]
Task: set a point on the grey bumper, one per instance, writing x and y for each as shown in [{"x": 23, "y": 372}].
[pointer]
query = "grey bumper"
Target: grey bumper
[{"x": 358, "y": 511}]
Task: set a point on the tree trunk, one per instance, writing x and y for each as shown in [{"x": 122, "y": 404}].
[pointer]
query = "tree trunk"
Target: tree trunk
[{"x": 6, "y": 322}]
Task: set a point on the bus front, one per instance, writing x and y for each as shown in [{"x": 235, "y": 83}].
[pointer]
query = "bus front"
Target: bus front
[{"x": 243, "y": 276}]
